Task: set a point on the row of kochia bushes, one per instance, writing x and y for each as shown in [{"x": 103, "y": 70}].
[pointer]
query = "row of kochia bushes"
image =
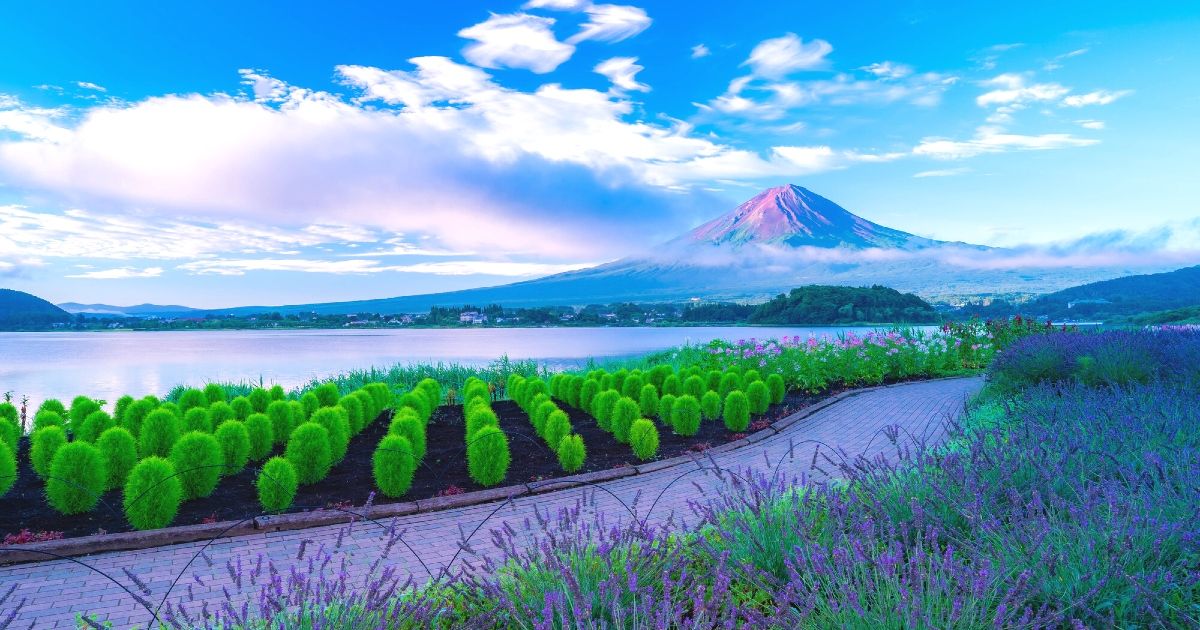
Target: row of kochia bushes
[
  {"x": 551, "y": 423},
  {"x": 402, "y": 450},
  {"x": 161, "y": 453},
  {"x": 488, "y": 455}
]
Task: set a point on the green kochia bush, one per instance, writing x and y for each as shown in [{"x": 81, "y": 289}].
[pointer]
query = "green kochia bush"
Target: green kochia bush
[
  {"x": 235, "y": 445},
  {"x": 77, "y": 476},
  {"x": 55, "y": 405},
  {"x": 556, "y": 427},
  {"x": 710, "y": 405},
  {"x": 10, "y": 434},
  {"x": 43, "y": 444},
  {"x": 488, "y": 456},
  {"x": 480, "y": 418},
  {"x": 277, "y": 484},
  {"x": 648, "y": 401},
  {"x": 685, "y": 416},
  {"x": 280, "y": 414},
  {"x": 540, "y": 413},
  {"x": 410, "y": 427},
  {"x": 296, "y": 417},
  {"x": 309, "y": 451},
  {"x": 370, "y": 410},
  {"x": 277, "y": 393},
  {"x": 730, "y": 381},
  {"x": 121, "y": 406},
  {"x": 81, "y": 408},
  {"x": 574, "y": 389},
  {"x": 311, "y": 404},
  {"x": 199, "y": 461},
  {"x": 643, "y": 437},
  {"x": 694, "y": 387},
  {"x": 135, "y": 413},
  {"x": 159, "y": 431},
  {"x": 152, "y": 494},
  {"x": 259, "y": 399},
  {"x": 9, "y": 413},
  {"x": 602, "y": 408},
  {"x": 48, "y": 418},
  {"x": 354, "y": 413},
  {"x": 759, "y": 396},
  {"x": 214, "y": 393},
  {"x": 750, "y": 376},
  {"x": 242, "y": 407},
  {"x": 92, "y": 426},
  {"x": 119, "y": 449},
  {"x": 666, "y": 405},
  {"x": 571, "y": 453},
  {"x": 261, "y": 434},
  {"x": 737, "y": 411},
  {"x": 631, "y": 387},
  {"x": 8, "y": 467},
  {"x": 672, "y": 385},
  {"x": 335, "y": 421},
  {"x": 196, "y": 419},
  {"x": 777, "y": 388},
  {"x": 191, "y": 399},
  {"x": 327, "y": 394},
  {"x": 417, "y": 403},
  {"x": 394, "y": 464},
  {"x": 712, "y": 380},
  {"x": 625, "y": 411},
  {"x": 587, "y": 394},
  {"x": 219, "y": 412}
]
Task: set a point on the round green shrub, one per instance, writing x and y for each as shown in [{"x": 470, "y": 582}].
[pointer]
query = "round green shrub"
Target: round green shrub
[
  {"x": 8, "y": 467},
  {"x": 480, "y": 418},
  {"x": 749, "y": 376},
  {"x": 338, "y": 425},
  {"x": 602, "y": 408},
  {"x": 135, "y": 413},
  {"x": 694, "y": 386},
  {"x": 280, "y": 413},
  {"x": 92, "y": 426},
  {"x": 574, "y": 389},
  {"x": 587, "y": 394},
  {"x": 571, "y": 453},
  {"x": 672, "y": 385},
  {"x": 159, "y": 431},
  {"x": 277, "y": 393},
  {"x": 214, "y": 393},
  {"x": 382, "y": 394},
  {"x": 710, "y": 405},
  {"x": 417, "y": 403},
  {"x": 152, "y": 494},
  {"x": 311, "y": 404},
  {"x": 152, "y": 399},
  {"x": 648, "y": 401},
  {"x": 625, "y": 411},
  {"x": 607, "y": 381},
  {"x": 619, "y": 377},
  {"x": 242, "y": 407},
  {"x": 47, "y": 418},
  {"x": 631, "y": 387},
  {"x": 81, "y": 408},
  {"x": 261, "y": 434},
  {"x": 777, "y": 388},
  {"x": 658, "y": 374},
  {"x": 410, "y": 427},
  {"x": 327, "y": 394},
  {"x": 191, "y": 399},
  {"x": 121, "y": 407},
  {"x": 9, "y": 412},
  {"x": 55, "y": 405},
  {"x": 665, "y": 405},
  {"x": 643, "y": 437},
  {"x": 736, "y": 411},
  {"x": 712, "y": 380},
  {"x": 259, "y": 399},
  {"x": 394, "y": 464},
  {"x": 685, "y": 416},
  {"x": 77, "y": 476},
  {"x": 196, "y": 419},
  {"x": 488, "y": 456},
  {"x": 277, "y": 484},
  {"x": 309, "y": 451},
  {"x": 540, "y": 413},
  {"x": 119, "y": 448},
  {"x": 432, "y": 391},
  {"x": 759, "y": 396},
  {"x": 199, "y": 461},
  {"x": 557, "y": 426},
  {"x": 174, "y": 409},
  {"x": 43, "y": 444},
  {"x": 219, "y": 412},
  {"x": 533, "y": 388},
  {"x": 556, "y": 383},
  {"x": 730, "y": 381},
  {"x": 354, "y": 413},
  {"x": 512, "y": 384},
  {"x": 10, "y": 435},
  {"x": 370, "y": 411},
  {"x": 235, "y": 445},
  {"x": 296, "y": 417}
]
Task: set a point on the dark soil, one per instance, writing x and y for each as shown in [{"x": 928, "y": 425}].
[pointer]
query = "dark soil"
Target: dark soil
[{"x": 350, "y": 482}]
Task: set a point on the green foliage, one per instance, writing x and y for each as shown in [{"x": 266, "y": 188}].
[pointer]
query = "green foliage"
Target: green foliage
[
  {"x": 92, "y": 426},
  {"x": 602, "y": 408},
  {"x": 309, "y": 451},
  {"x": 487, "y": 456},
  {"x": 370, "y": 409},
  {"x": 259, "y": 399},
  {"x": 311, "y": 404},
  {"x": 10, "y": 434},
  {"x": 694, "y": 387},
  {"x": 336, "y": 422},
  {"x": 280, "y": 414},
  {"x": 619, "y": 379},
  {"x": 394, "y": 465},
  {"x": 213, "y": 392},
  {"x": 712, "y": 380},
  {"x": 410, "y": 427},
  {"x": 277, "y": 393},
  {"x": 81, "y": 408},
  {"x": 759, "y": 397},
  {"x": 432, "y": 390},
  {"x": 730, "y": 381},
  {"x": 643, "y": 437},
  {"x": 9, "y": 412},
  {"x": 135, "y": 413},
  {"x": 631, "y": 387},
  {"x": 55, "y": 405},
  {"x": 277, "y": 484},
  {"x": 480, "y": 418},
  {"x": 540, "y": 413},
  {"x": 8, "y": 467},
  {"x": 571, "y": 453},
  {"x": 736, "y": 411},
  {"x": 327, "y": 394},
  {"x": 119, "y": 448},
  {"x": 556, "y": 427},
  {"x": 818, "y": 304},
  {"x": 354, "y": 413},
  {"x": 685, "y": 416},
  {"x": 658, "y": 374},
  {"x": 198, "y": 460},
  {"x": 219, "y": 412},
  {"x": 672, "y": 385},
  {"x": 47, "y": 418},
  {"x": 196, "y": 419},
  {"x": 242, "y": 407},
  {"x": 43, "y": 444},
  {"x": 382, "y": 395},
  {"x": 191, "y": 399},
  {"x": 710, "y": 405},
  {"x": 751, "y": 375},
  {"x": 417, "y": 403},
  {"x": 77, "y": 476},
  {"x": 625, "y": 411},
  {"x": 587, "y": 394},
  {"x": 574, "y": 390},
  {"x": 261, "y": 433},
  {"x": 235, "y": 445},
  {"x": 296, "y": 417},
  {"x": 665, "y": 405},
  {"x": 648, "y": 401},
  {"x": 777, "y": 388},
  {"x": 121, "y": 406},
  {"x": 173, "y": 408},
  {"x": 530, "y": 390},
  {"x": 159, "y": 431},
  {"x": 152, "y": 494}
]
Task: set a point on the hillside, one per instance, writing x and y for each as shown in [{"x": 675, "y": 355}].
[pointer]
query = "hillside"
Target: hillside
[
  {"x": 20, "y": 310},
  {"x": 843, "y": 305}
]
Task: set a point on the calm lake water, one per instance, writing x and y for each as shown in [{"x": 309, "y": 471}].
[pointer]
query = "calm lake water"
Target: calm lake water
[{"x": 106, "y": 365}]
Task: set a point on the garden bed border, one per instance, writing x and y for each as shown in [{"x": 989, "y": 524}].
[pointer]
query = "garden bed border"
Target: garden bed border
[{"x": 126, "y": 541}]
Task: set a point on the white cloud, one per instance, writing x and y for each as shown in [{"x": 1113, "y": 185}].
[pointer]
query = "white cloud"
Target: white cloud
[
  {"x": 994, "y": 140},
  {"x": 518, "y": 40},
  {"x": 700, "y": 50},
  {"x": 38, "y": 123},
  {"x": 770, "y": 100},
  {"x": 557, "y": 5},
  {"x": 778, "y": 57},
  {"x": 888, "y": 70},
  {"x": 119, "y": 273},
  {"x": 611, "y": 23},
  {"x": 87, "y": 85},
  {"x": 1099, "y": 97},
  {"x": 622, "y": 72},
  {"x": 1091, "y": 124},
  {"x": 265, "y": 88},
  {"x": 944, "y": 172},
  {"x": 238, "y": 267},
  {"x": 1014, "y": 89}
]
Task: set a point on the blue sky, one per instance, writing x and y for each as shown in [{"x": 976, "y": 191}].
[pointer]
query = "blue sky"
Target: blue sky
[{"x": 217, "y": 155}]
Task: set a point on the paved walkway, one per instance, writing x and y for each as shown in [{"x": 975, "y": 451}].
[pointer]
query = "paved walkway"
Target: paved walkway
[{"x": 55, "y": 592}]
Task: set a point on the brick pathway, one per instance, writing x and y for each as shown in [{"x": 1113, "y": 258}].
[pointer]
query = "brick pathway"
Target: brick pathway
[{"x": 55, "y": 591}]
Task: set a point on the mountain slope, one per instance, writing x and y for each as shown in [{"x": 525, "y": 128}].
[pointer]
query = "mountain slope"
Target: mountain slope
[
  {"x": 1125, "y": 296},
  {"x": 140, "y": 310},
  {"x": 21, "y": 310}
]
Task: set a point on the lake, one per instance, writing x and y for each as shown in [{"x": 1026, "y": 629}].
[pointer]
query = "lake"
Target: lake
[{"x": 106, "y": 365}]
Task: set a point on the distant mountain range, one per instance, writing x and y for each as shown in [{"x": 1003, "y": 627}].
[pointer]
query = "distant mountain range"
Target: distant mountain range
[
  {"x": 22, "y": 310},
  {"x": 783, "y": 237},
  {"x": 140, "y": 310}
]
